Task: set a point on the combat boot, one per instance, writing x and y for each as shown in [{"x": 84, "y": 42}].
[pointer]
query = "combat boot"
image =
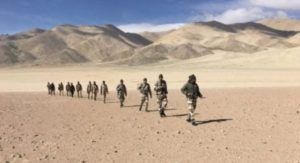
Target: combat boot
[{"x": 194, "y": 122}]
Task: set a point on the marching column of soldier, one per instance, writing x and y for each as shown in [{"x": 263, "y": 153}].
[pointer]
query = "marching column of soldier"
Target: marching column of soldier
[{"x": 190, "y": 90}]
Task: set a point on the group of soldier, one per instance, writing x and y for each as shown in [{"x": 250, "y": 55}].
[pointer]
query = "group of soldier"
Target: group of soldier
[{"x": 190, "y": 90}]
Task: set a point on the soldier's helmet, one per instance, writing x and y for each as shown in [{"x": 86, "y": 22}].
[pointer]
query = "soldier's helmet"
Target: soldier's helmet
[
  {"x": 192, "y": 77},
  {"x": 145, "y": 79},
  {"x": 160, "y": 76},
  {"x": 121, "y": 81},
  {"x": 103, "y": 81}
]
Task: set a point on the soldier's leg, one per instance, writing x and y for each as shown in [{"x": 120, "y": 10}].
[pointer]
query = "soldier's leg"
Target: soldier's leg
[
  {"x": 122, "y": 102},
  {"x": 104, "y": 98},
  {"x": 190, "y": 108},
  {"x": 81, "y": 94},
  {"x": 146, "y": 103},
  {"x": 164, "y": 105},
  {"x": 95, "y": 96},
  {"x": 159, "y": 103},
  {"x": 142, "y": 102}
]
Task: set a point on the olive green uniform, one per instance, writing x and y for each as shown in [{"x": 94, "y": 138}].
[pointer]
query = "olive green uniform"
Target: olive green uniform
[
  {"x": 104, "y": 91},
  {"x": 145, "y": 91},
  {"x": 161, "y": 94},
  {"x": 192, "y": 92},
  {"x": 122, "y": 92}
]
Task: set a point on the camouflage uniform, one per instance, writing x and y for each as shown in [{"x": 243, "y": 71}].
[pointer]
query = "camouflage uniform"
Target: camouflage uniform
[
  {"x": 89, "y": 90},
  {"x": 49, "y": 89},
  {"x": 122, "y": 92},
  {"x": 79, "y": 90},
  {"x": 104, "y": 91},
  {"x": 61, "y": 88},
  {"x": 161, "y": 92},
  {"x": 95, "y": 90},
  {"x": 68, "y": 89},
  {"x": 192, "y": 92},
  {"x": 72, "y": 89},
  {"x": 145, "y": 91},
  {"x": 52, "y": 89}
]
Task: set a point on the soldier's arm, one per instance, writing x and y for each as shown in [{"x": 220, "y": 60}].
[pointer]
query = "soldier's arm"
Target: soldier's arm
[
  {"x": 125, "y": 90},
  {"x": 150, "y": 92},
  {"x": 183, "y": 89},
  {"x": 155, "y": 86},
  {"x": 166, "y": 88},
  {"x": 199, "y": 93}
]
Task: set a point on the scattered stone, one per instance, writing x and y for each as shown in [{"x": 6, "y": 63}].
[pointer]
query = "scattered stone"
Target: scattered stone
[
  {"x": 226, "y": 148},
  {"x": 178, "y": 132},
  {"x": 83, "y": 161},
  {"x": 157, "y": 132},
  {"x": 116, "y": 151},
  {"x": 93, "y": 141},
  {"x": 298, "y": 112},
  {"x": 13, "y": 147},
  {"x": 7, "y": 162},
  {"x": 212, "y": 139},
  {"x": 19, "y": 155},
  {"x": 140, "y": 154},
  {"x": 46, "y": 157}
]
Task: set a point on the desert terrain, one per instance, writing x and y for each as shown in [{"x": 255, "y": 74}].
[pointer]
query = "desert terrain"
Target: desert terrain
[
  {"x": 234, "y": 125},
  {"x": 248, "y": 72}
]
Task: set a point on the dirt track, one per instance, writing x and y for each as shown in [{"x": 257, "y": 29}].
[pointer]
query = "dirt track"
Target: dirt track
[{"x": 235, "y": 125}]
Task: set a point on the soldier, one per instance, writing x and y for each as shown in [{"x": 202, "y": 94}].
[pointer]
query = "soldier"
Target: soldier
[
  {"x": 72, "y": 89},
  {"x": 89, "y": 90},
  {"x": 49, "y": 89},
  {"x": 95, "y": 90},
  {"x": 79, "y": 89},
  {"x": 68, "y": 89},
  {"x": 104, "y": 91},
  {"x": 161, "y": 93},
  {"x": 122, "y": 92},
  {"x": 192, "y": 92},
  {"x": 145, "y": 90},
  {"x": 52, "y": 89},
  {"x": 61, "y": 88}
]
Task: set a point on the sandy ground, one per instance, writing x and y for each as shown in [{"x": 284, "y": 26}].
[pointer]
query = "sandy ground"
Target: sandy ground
[
  {"x": 234, "y": 125},
  {"x": 35, "y": 79}
]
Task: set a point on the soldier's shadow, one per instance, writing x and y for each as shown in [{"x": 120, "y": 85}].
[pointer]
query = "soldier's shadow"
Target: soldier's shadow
[
  {"x": 157, "y": 110},
  {"x": 212, "y": 121},
  {"x": 131, "y": 106},
  {"x": 179, "y": 115}
]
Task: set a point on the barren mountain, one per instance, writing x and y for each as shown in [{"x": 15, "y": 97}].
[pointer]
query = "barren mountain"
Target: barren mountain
[
  {"x": 282, "y": 24},
  {"x": 154, "y": 36},
  {"x": 203, "y": 38},
  {"x": 69, "y": 44}
]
